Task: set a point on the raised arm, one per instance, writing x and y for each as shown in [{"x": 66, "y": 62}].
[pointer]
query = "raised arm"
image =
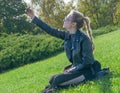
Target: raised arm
[{"x": 44, "y": 26}]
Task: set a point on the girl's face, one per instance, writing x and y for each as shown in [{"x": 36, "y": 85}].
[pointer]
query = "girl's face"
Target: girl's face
[{"x": 68, "y": 22}]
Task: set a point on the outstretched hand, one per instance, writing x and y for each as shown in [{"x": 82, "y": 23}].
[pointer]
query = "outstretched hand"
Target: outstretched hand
[{"x": 30, "y": 13}]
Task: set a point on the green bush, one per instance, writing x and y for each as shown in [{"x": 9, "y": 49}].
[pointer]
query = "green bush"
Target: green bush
[
  {"x": 17, "y": 50},
  {"x": 104, "y": 30}
]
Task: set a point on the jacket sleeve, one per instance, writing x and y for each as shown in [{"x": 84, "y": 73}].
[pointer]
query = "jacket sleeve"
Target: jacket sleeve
[{"x": 48, "y": 29}]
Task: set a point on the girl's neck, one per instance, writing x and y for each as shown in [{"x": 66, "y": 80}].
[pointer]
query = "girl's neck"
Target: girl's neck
[{"x": 72, "y": 31}]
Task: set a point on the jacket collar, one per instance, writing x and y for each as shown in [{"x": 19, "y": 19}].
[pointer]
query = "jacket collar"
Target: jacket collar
[{"x": 77, "y": 34}]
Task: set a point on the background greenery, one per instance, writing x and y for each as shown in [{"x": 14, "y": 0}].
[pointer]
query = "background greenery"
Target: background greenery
[
  {"x": 17, "y": 50},
  {"x": 14, "y": 20},
  {"x": 101, "y": 12}
]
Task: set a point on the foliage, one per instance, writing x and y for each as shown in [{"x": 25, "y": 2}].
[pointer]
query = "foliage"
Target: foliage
[
  {"x": 17, "y": 50},
  {"x": 33, "y": 78},
  {"x": 12, "y": 18},
  {"x": 104, "y": 30},
  {"x": 117, "y": 14},
  {"x": 101, "y": 12},
  {"x": 53, "y": 11}
]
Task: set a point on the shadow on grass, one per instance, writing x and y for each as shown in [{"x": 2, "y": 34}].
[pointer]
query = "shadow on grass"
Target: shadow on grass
[{"x": 106, "y": 83}]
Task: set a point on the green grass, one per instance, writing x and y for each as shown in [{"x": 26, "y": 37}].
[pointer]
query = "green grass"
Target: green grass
[{"x": 32, "y": 78}]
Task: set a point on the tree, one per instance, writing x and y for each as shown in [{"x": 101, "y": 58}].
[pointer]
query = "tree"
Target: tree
[
  {"x": 11, "y": 14},
  {"x": 116, "y": 14},
  {"x": 101, "y": 12},
  {"x": 53, "y": 11}
]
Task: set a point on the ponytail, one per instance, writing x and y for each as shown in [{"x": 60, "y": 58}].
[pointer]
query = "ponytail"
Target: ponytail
[
  {"x": 81, "y": 20},
  {"x": 89, "y": 31}
]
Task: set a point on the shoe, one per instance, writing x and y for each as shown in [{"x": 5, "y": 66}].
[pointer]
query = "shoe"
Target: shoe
[
  {"x": 102, "y": 73},
  {"x": 48, "y": 89}
]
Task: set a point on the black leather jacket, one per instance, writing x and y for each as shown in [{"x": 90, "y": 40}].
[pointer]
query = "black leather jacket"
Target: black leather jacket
[{"x": 78, "y": 46}]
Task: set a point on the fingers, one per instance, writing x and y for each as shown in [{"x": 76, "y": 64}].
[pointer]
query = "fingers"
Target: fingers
[{"x": 30, "y": 12}]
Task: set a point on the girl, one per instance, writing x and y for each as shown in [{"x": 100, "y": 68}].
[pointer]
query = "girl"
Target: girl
[{"x": 78, "y": 47}]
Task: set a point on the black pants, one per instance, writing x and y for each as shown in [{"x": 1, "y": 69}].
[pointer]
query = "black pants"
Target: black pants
[{"x": 74, "y": 78}]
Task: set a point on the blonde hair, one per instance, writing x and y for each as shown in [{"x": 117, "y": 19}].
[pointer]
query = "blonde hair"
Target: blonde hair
[
  {"x": 89, "y": 31},
  {"x": 82, "y": 21}
]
